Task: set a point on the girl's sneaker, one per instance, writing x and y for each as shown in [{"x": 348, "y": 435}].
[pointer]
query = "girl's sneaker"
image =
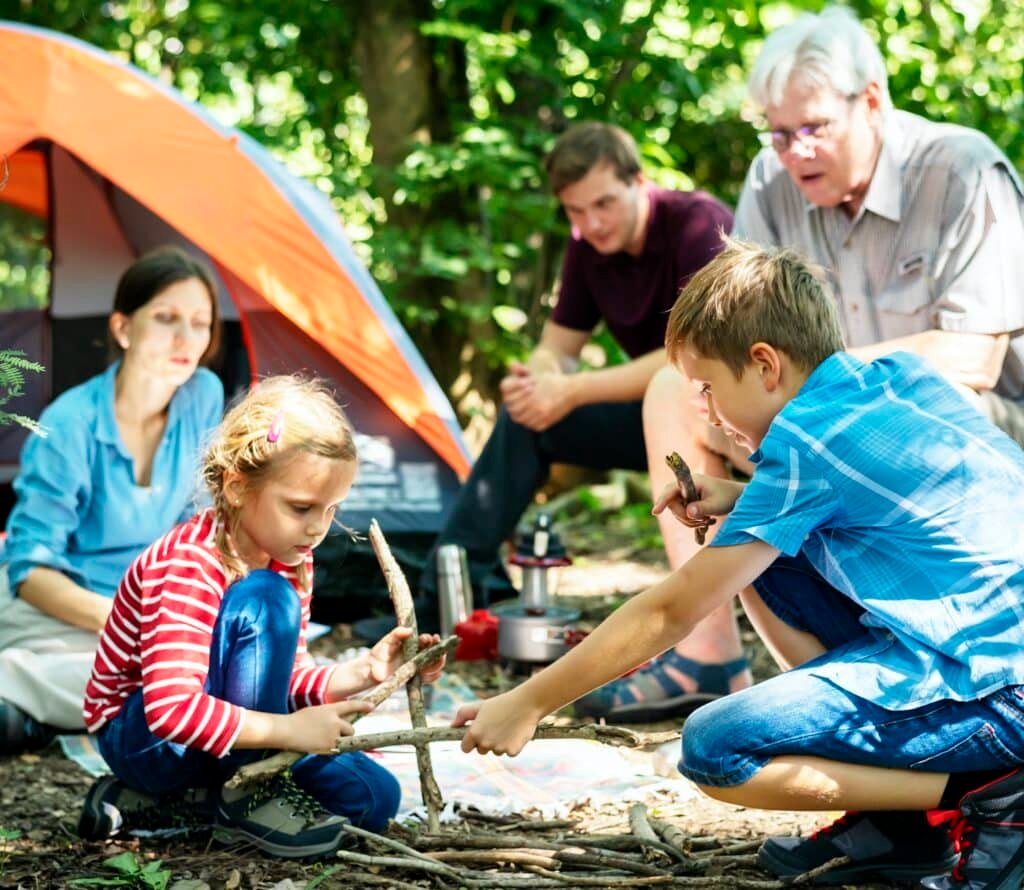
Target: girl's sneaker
[
  {"x": 279, "y": 818},
  {"x": 112, "y": 807}
]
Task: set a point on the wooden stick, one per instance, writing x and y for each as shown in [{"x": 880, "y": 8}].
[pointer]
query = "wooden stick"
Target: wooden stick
[
  {"x": 617, "y": 736},
  {"x": 639, "y": 825},
  {"x": 406, "y": 862},
  {"x": 808, "y": 876},
  {"x": 496, "y": 841},
  {"x": 405, "y": 612},
  {"x": 733, "y": 849},
  {"x": 685, "y": 479},
  {"x": 374, "y": 838},
  {"x": 406, "y": 671},
  {"x": 498, "y": 857},
  {"x": 380, "y": 693},
  {"x": 672, "y": 835}
]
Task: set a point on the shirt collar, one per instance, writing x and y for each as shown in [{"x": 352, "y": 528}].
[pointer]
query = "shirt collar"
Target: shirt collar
[
  {"x": 837, "y": 368},
  {"x": 885, "y": 191},
  {"x": 106, "y": 420}
]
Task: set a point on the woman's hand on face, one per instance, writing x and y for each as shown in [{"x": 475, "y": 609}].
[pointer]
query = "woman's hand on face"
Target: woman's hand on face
[
  {"x": 386, "y": 655},
  {"x": 316, "y": 730}
]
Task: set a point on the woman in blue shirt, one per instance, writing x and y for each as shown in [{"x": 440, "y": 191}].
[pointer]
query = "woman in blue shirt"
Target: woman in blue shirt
[{"x": 114, "y": 473}]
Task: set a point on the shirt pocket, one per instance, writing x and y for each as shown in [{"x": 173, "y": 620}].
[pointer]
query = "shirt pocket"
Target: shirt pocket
[{"x": 906, "y": 305}]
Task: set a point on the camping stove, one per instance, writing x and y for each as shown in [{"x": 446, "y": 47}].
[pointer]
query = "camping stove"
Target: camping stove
[{"x": 531, "y": 629}]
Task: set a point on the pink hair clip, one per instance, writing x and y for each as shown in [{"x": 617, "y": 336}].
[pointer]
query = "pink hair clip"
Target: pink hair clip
[{"x": 276, "y": 427}]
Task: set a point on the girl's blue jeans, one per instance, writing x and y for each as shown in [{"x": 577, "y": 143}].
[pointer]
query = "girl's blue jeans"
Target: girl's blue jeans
[
  {"x": 251, "y": 658},
  {"x": 727, "y": 741}
]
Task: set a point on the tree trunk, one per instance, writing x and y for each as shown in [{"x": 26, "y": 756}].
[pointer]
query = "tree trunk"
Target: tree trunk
[{"x": 406, "y": 105}]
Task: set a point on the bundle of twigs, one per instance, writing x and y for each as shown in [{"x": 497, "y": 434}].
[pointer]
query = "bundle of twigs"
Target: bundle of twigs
[{"x": 484, "y": 851}]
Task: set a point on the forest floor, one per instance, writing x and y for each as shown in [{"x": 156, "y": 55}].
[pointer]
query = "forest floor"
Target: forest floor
[{"x": 41, "y": 794}]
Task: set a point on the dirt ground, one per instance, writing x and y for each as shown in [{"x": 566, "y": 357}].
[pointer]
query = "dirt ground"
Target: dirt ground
[{"x": 40, "y": 794}]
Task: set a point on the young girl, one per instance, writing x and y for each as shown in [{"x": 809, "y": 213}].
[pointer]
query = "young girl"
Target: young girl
[{"x": 202, "y": 665}]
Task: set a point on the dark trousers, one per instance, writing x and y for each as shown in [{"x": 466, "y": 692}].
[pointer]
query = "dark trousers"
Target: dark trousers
[{"x": 513, "y": 465}]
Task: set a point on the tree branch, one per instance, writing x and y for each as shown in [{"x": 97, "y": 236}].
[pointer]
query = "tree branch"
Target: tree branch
[
  {"x": 405, "y": 612},
  {"x": 617, "y": 736}
]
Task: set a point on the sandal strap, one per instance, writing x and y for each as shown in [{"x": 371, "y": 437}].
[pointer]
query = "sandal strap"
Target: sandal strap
[{"x": 712, "y": 679}]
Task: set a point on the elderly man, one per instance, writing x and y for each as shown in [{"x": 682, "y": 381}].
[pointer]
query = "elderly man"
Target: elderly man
[
  {"x": 920, "y": 227},
  {"x": 633, "y": 246},
  {"x": 918, "y": 223}
]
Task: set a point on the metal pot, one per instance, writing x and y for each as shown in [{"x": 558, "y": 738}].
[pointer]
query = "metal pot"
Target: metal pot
[{"x": 536, "y": 638}]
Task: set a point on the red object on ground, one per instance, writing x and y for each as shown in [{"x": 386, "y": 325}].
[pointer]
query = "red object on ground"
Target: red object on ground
[{"x": 478, "y": 637}]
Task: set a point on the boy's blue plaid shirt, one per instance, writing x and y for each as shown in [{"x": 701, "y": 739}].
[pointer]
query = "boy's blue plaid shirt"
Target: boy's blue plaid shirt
[{"x": 906, "y": 499}]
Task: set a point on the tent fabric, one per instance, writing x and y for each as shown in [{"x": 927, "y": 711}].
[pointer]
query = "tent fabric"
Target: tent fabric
[
  {"x": 118, "y": 163},
  {"x": 229, "y": 197}
]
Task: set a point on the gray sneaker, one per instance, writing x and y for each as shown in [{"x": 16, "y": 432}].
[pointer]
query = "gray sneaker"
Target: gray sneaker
[
  {"x": 111, "y": 807},
  {"x": 279, "y": 818}
]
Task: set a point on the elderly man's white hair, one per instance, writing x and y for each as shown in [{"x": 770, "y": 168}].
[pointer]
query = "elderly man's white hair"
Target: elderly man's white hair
[{"x": 830, "y": 50}]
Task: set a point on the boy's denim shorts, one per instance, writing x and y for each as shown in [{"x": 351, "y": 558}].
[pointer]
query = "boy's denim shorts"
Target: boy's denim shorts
[{"x": 797, "y": 714}]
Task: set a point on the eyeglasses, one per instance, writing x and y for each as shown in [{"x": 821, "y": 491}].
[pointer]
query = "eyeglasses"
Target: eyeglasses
[{"x": 808, "y": 135}]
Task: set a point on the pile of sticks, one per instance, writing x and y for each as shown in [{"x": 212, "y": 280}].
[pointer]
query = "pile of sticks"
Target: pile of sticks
[{"x": 484, "y": 851}]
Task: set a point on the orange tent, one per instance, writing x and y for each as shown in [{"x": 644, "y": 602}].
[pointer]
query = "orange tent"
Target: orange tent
[{"x": 118, "y": 163}]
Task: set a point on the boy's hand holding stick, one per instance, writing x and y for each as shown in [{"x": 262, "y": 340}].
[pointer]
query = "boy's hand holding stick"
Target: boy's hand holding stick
[{"x": 688, "y": 489}]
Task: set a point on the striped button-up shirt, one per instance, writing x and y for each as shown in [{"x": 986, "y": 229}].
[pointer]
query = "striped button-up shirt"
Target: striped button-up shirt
[
  {"x": 905, "y": 499},
  {"x": 937, "y": 243}
]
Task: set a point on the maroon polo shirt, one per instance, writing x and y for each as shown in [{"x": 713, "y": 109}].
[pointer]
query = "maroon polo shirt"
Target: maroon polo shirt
[{"x": 633, "y": 294}]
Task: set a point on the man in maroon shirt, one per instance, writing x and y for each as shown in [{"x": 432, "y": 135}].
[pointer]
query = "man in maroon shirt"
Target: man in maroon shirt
[{"x": 633, "y": 246}]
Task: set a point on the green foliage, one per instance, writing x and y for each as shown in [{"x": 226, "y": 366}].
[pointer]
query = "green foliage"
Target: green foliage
[
  {"x": 6, "y": 835},
  {"x": 451, "y": 211},
  {"x": 13, "y": 366},
  {"x": 25, "y": 262},
  {"x": 129, "y": 873}
]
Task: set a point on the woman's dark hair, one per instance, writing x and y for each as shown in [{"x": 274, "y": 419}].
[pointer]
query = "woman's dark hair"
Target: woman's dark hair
[{"x": 157, "y": 270}]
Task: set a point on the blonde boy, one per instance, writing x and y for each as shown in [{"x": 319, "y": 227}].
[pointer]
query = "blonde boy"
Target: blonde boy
[{"x": 879, "y": 549}]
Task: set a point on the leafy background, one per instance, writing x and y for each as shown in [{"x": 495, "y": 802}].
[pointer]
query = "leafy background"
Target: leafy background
[{"x": 426, "y": 121}]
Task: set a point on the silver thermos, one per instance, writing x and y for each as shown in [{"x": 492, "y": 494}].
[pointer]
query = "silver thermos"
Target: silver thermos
[{"x": 454, "y": 590}]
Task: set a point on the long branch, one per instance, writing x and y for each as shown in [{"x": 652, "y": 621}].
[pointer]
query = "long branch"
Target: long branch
[
  {"x": 405, "y": 613},
  {"x": 616, "y": 736}
]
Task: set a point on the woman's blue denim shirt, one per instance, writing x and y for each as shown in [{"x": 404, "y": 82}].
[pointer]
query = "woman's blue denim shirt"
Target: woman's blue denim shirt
[{"x": 78, "y": 508}]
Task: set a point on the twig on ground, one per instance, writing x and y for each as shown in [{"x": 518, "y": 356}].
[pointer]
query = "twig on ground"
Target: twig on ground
[
  {"x": 639, "y": 825},
  {"x": 672, "y": 835},
  {"x": 405, "y": 612},
  {"x": 416, "y": 863},
  {"x": 538, "y": 825},
  {"x": 605, "y": 860},
  {"x": 518, "y": 856},
  {"x": 808, "y": 876},
  {"x": 383, "y": 840},
  {"x": 578, "y": 880},
  {"x": 732, "y": 849}
]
